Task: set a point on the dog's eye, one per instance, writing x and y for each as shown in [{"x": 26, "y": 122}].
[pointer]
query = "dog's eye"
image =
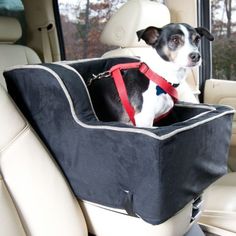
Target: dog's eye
[
  {"x": 197, "y": 40},
  {"x": 175, "y": 39}
]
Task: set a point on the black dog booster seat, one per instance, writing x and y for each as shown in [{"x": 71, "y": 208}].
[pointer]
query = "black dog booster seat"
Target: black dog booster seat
[{"x": 152, "y": 172}]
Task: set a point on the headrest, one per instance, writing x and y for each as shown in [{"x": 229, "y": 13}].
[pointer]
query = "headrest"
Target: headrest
[
  {"x": 10, "y": 29},
  {"x": 135, "y": 15}
]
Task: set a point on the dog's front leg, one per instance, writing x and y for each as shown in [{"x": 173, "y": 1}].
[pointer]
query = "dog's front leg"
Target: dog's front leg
[
  {"x": 147, "y": 114},
  {"x": 144, "y": 119},
  {"x": 152, "y": 109}
]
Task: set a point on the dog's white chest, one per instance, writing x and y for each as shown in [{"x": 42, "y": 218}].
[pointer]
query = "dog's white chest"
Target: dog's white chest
[{"x": 153, "y": 106}]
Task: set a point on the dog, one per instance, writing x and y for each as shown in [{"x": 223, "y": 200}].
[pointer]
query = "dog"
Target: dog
[{"x": 174, "y": 51}]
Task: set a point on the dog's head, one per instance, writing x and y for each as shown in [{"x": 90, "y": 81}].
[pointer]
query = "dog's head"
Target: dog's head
[{"x": 177, "y": 43}]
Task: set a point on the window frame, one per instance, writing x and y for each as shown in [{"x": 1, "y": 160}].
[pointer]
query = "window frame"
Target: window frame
[
  {"x": 59, "y": 29},
  {"x": 204, "y": 20}
]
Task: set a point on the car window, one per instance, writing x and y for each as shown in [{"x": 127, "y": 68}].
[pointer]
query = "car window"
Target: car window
[
  {"x": 82, "y": 23},
  {"x": 224, "y": 46},
  {"x": 14, "y": 8}
]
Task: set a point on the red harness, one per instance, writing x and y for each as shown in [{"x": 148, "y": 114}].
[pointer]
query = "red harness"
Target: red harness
[{"x": 115, "y": 72}]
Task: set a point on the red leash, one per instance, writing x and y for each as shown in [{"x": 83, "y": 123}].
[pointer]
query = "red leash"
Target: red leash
[{"x": 151, "y": 75}]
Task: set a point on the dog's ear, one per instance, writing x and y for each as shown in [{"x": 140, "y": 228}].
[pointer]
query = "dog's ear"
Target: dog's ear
[
  {"x": 205, "y": 32},
  {"x": 150, "y": 35}
]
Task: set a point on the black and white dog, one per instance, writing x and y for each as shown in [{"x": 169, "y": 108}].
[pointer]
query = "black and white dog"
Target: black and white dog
[{"x": 174, "y": 50}]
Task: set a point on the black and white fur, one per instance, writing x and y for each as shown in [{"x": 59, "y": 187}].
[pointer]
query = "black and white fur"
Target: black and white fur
[{"x": 174, "y": 50}]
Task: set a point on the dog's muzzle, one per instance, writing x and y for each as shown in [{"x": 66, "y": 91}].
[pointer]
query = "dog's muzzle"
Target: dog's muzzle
[{"x": 195, "y": 57}]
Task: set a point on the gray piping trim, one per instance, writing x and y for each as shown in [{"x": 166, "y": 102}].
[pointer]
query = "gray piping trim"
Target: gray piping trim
[
  {"x": 113, "y": 128},
  {"x": 75, "y": 71}
]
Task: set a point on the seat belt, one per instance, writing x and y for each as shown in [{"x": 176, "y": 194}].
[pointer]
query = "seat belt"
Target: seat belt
[{"x": 47, "y": 50}]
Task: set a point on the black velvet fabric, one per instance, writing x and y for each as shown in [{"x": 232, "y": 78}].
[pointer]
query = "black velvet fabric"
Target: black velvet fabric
[{"x": 152, "y": 172}]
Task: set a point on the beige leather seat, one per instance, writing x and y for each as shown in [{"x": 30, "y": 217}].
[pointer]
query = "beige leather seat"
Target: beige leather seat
[
  {"x": 12, "y": 54},
  {"x": 35, "y": 199},
  {"x": 120, "y": 31}
]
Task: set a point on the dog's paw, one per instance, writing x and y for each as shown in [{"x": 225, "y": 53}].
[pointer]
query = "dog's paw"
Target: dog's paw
[{"x": 143, "y": 120}]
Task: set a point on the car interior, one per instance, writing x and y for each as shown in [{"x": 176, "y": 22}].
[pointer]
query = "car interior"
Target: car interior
[{"x": 35, "y": 196}]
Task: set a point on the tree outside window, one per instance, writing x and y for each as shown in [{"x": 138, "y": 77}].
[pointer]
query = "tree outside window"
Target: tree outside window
[
  {"x": 224, "y": 46},
  {"x": 82, "y": 24}
]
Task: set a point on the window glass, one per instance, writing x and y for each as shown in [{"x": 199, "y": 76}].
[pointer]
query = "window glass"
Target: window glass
[
  {"x": 14, "y": 8},
  {"x": 82, "y": 22},
  {"x": 224, "y": 46}
]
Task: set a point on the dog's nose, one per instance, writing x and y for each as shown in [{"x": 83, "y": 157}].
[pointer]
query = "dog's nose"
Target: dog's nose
[{"x": 195, "y": 57}]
